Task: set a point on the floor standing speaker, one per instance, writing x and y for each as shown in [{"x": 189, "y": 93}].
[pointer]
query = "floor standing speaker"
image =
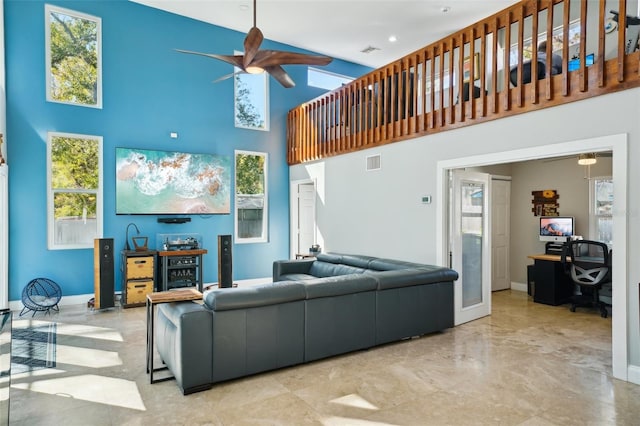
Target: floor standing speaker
[
  {"x": 103, "y": 273},
  {"x": 225, "y": 270}
]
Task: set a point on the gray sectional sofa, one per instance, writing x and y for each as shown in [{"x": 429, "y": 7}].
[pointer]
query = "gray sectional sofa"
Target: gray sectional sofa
[{"x": 313, "y": 309}]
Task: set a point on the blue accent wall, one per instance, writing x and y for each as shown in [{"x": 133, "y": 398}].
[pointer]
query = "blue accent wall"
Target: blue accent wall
[{"x": 149, "y": 90}]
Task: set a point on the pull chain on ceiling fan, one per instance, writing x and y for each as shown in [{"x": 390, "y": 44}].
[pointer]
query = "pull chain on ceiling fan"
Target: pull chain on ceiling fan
[{"x": 255, "y": 61}]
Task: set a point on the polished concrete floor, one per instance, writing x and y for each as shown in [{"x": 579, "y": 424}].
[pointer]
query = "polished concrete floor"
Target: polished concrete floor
[{"x": 526, "y": 364}]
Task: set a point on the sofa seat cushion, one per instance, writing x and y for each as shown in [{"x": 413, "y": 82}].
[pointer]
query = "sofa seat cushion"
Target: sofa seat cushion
[
  {"x": 223, "y": 299},
  {"x": 322, "y": 269},
  {"x": 339, "y": 285},
  {"x": 411, "y": 277}
]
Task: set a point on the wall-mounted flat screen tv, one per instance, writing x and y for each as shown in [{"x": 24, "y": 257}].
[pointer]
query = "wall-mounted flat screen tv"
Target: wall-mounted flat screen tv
[
  {"x": 556, "y": 228},
  {"x": 166, "y": 182}
]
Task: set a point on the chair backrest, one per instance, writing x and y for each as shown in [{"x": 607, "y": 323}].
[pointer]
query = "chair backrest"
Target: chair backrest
[
  {"x": 526, "y": 73},
  {"x": 590, "y": 262}
]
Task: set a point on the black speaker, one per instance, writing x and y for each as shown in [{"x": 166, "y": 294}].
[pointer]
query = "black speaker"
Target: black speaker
[
  {"x": 225, "y": 269},
  {"x": 103, "y": 273}
]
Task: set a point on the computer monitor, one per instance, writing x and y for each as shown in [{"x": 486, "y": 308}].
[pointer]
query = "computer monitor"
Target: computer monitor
[
  {"x": 574, "y": 64},
  {"x": 556, "y": 228}
]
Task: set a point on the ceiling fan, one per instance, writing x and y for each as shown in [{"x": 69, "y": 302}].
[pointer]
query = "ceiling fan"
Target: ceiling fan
[{"x": 256, "y": 61}]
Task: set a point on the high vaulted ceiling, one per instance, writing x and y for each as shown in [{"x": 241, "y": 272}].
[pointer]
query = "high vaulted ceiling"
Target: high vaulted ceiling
[{"x": 342, "y": 28}]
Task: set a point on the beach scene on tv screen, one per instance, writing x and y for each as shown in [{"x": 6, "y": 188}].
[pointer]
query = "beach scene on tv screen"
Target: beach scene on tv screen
[{"x": 164, "y": 182}]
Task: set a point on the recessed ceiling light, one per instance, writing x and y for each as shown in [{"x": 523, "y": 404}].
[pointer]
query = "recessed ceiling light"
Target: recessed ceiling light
[
  {"x": 445, "y": 9},
  {"x": 243, "y": 7},
  {"x": 393, "y": 38}
]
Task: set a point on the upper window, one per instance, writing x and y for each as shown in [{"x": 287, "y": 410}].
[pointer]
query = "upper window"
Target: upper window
[
  {"x": 74, "y": 188},
  {"x": 251, "y": 100},
  {"x": 601, "y": 209},
  {"x": 325, "y": 79},
  {"x": 74, "y": 55},
  {"x": 251, "y": 197}
]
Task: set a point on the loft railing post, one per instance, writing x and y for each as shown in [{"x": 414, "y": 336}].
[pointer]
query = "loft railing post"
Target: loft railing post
[{"x": 583, "y": 72}]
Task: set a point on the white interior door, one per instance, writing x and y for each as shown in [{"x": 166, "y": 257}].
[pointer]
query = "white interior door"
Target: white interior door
[
  {"x": 470, "y": 244},
  {"x": 306, "y": 217},
  {"x": 500, "y": 232}
]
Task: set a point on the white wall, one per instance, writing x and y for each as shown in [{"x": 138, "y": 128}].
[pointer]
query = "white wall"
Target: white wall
[{"x": 380, "y": 213}]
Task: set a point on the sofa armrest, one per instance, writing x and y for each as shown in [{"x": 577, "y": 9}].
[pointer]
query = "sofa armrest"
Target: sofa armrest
[
  {"x": 284, "y": 267},
  {"x": 183, "y": 337}
]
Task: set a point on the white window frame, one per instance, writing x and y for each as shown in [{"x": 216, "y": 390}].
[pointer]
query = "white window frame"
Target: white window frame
[
  {"x": 52, "y": 245},
  {"x": 265, "y": 207},
  {"x": 48, "y": 9}
]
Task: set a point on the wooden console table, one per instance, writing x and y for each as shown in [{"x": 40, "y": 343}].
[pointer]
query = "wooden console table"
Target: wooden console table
[{"x": 154, "y": 299}]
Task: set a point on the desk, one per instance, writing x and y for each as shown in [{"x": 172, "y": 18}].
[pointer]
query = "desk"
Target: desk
[
  {"x": 154, "y": 299},
  {"x": 552, "y": 285}
]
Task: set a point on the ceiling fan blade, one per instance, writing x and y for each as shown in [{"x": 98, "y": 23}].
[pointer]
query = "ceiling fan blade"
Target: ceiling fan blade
[
  {"x": 252, "y": 43},
  {"x": 267, "y": 58},
  {"x": 230, "y": 59},
  {"x": 277, "y": 72},
  {"x": 227, "y": 76}
]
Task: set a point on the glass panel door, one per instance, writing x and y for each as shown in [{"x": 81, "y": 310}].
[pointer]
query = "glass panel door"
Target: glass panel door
[{"x": 470, "y": 245}]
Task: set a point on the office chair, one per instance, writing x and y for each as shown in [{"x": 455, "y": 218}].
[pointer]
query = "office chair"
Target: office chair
[{"x": 589, "y": 265}]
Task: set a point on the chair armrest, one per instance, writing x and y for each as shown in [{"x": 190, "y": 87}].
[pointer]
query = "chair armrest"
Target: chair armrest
[{"x": 284, "y": 267}]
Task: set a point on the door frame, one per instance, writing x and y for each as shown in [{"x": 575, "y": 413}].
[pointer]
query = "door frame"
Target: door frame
[
  {"x": 617, "y": 144},
  {"x": 293, "y": 214}
]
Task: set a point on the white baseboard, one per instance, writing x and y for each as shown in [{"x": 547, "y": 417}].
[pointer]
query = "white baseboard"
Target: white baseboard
[
  {"x": 633, "y": 374},
  {"x": 518, "y": 286}
]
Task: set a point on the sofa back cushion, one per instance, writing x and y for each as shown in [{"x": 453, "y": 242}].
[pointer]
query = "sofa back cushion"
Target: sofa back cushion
[
  {"x": 223, "y": 299},
  {"x": 323, "y": 269},
  {"x": 339, "y": 285}
]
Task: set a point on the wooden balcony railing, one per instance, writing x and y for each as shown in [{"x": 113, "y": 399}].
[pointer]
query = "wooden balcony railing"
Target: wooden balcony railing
[{"x": 420, "y": 93}]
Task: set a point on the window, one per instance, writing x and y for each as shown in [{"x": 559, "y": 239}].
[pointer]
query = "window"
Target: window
[
  {"x": 325, "y": 79},
  {"x": 74, "y": 188},
  {"x": 601, "y": 209},
  {"x": 251, "y": 197},
  {"x": 251, "y": 100},
  {"x": 73, "y": 55}
]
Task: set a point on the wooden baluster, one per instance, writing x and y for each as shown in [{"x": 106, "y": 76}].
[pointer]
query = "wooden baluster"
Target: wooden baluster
[
  {"x": 471, "y": 111},
  {"x": 534, "y": 52},
  {"x": 565, "y": 47},
  {"x": 379, "y": 106},
  {"x": 450, "y": 72},
  {"x": 441, "y": 112},
  {"x": 432, "y": 95},
  {"x": 413, "y": 121},
  {"x": 423, "y": 91},
  {"x": 583, "y": 76},
  {"x": 406, "y": 96},
  {"x": 622, "y": 24},
  {"x": 520, "y": 90},
  {"x": 461, "y": 102},
  {"x": 494, "y": 68},
  {"x": 600, "y": 59},
  {"x": 482, "y": 70},
  {"x": 549, "y": 80},
  {"x": 507, "y": 67}
]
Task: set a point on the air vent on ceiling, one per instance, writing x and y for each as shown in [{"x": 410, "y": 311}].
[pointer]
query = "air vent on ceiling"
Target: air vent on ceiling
[
  {"x": 373, "y": 162},
  {"x": 369, "y": 49}
]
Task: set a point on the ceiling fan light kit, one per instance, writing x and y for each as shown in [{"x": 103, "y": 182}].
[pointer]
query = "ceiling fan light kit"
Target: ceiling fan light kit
[
  {"x": 587, "y": 159},
  {"x": 256, "y": 61}
]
